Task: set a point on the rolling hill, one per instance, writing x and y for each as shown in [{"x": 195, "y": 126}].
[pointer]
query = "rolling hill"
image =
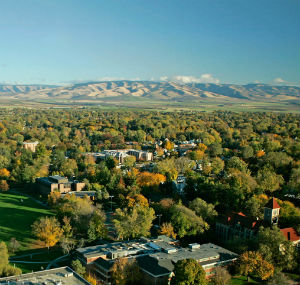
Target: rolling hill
[{"x": 152, "y": 91}]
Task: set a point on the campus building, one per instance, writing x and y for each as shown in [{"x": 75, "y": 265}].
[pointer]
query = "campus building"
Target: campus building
[
  {"x": 156, "y": 257},
  {"x": 57, "y": 276},
  {"x": 46, "y": 185},
  {"x": 121, "y": 154},
  {"x": 238, "y": 225}
]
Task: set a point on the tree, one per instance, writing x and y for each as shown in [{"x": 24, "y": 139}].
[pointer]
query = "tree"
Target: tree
[
  {"x": 167, "y": 230},
  {"x": 129, "y": 161},
  {"x": 78, "y": 267},
  {"x": 90, "y": 278},
  {"x": 53, "y": 198},
  {"x": 3, "y": 185},
  {"x": 186, "y": 222},
  {"x": 5, "y": 268},
  {"x": 4, "y": 173},
  {"x": 275, "y": 249},
  {"x": 133, "y": 223},
  {"x": 148, "y": 179},
  {"x": 204, "y": 210},
  {"x": 188, "y": 272},
  {"x": 196, "y": 155},
  {"x": 13, "y": 245},
  {"x": 96, "y": 228},
  {"x": 268, "y": 180},
  {"x": 221, "y": 276},
  {"x": 247, "y": 152},
  {"x": 48, "y": 230},
  {"x": 125, "y": 271},
  {"x": 252, "y": 263},
  {"x": 237, "y": 163}
]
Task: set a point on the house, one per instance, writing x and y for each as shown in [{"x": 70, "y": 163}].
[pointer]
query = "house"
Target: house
[
  {"x": 30, "y": 145},
  {"x": 291, "y": 235},
  {"x": 155, "y": 256},
  {"x": 46, "y": 185},
  {"x": 241, "y": 226},
  {"x": 59, "y": 276}
]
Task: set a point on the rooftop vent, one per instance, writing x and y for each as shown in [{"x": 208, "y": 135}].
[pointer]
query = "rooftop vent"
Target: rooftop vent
[
  {"x": 194, "y": 246},
  {"x": 68, "y": 274}
]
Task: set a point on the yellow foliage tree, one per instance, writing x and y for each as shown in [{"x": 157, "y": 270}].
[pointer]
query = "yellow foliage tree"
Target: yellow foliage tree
[
  {"x": 168, "y": 230},
  {"x": 137, "y": 199},
  {"x": 149, "y": 179},
  {"x": 90, "y": 278},
  {"x": 4, "y": 173},
  {"x": 202, "y": 147},
  {"x": 48, "y": 230}
]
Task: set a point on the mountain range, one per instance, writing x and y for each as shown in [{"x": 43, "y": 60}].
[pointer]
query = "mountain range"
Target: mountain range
[{"x": 152, "y": 91}]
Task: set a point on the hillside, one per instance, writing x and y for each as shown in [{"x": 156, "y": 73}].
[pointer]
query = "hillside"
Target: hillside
[{"x": 149, "y": 90}]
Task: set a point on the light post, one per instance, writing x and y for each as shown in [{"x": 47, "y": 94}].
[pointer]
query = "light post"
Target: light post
[
  {"x": 111, "y": 202},
  {"x": 159, "y": 216}
]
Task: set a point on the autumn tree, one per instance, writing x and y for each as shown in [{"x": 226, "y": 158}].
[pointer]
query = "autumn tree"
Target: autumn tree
[
  {"x": 3, "y": 185},
  {"x": 125, "y": 271},
  {"x": 48, "y": 230},
  {"x": 188, "y": 272},
  {"x": 148, "y": 179},
  {"x": 252, "y": 263},
  {"x": 167, "y": 230}
]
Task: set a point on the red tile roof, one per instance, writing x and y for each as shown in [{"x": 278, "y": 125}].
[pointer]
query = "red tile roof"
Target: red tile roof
[
  {"x": 290, "y": 234},
  {"x": 272, "y": 204}
]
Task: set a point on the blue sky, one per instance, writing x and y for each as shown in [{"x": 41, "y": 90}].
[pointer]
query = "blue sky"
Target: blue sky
[{"x": 226, "y": 41}]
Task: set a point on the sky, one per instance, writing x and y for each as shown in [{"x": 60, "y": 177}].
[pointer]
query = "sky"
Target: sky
[{"x": 218, "y": 41}]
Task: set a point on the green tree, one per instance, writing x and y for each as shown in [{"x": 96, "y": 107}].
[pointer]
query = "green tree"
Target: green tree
[
  {"x": 78, "y": 267},
  {"x": 186, "y": 222},
  {"x": 188, "y": 272},
  {"x": 275, "y": 249},
  {"x": 134, "y": 222},
  {"x": 96, "y": 228},
  {"x": 204, "y": 210},
  {"x": 268, "y": 180}
]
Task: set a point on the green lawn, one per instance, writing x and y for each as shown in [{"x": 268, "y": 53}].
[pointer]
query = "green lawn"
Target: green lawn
[
  {"x": 242, "y": 280},
  {"x": 16, "y": 218}
]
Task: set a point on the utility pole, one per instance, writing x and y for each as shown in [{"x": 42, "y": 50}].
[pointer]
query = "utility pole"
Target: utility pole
[
  {"x": 159, "y": 216},
  {"x": 111, "y": 202}
]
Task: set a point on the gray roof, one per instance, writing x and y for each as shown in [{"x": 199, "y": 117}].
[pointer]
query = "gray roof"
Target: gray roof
[
  {"x": 161, "y": 263},
  {"x": 65, "y": 275}
]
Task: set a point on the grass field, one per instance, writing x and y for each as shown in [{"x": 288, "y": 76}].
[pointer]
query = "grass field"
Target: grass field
[{"x": 16, "y": 218}]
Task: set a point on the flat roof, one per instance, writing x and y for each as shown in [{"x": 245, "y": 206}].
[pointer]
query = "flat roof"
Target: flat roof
[{"x": 59, "y": 276}]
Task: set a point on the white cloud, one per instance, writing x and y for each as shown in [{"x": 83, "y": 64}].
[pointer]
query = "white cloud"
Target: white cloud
[
  {"x": 204, "y": 78},
  {"x": 279, "y": 81},
  {"x": 163, "y": 78}
]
